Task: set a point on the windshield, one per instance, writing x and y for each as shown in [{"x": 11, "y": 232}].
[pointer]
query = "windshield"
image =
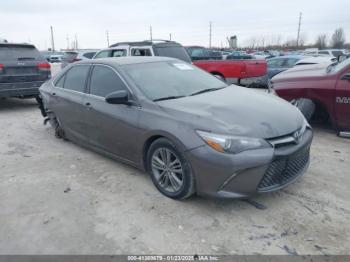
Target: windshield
[
  {"x": 338, "y": 67},
  {"x": 171, "y": 79}
]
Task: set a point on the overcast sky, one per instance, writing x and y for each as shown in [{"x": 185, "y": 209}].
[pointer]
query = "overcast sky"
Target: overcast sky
[{"x": 186, "y": 20}]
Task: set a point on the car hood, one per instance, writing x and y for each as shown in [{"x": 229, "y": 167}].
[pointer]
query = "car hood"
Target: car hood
[
  {"x": 236, "y": 111},
  {"x": 301, "y": 72}
]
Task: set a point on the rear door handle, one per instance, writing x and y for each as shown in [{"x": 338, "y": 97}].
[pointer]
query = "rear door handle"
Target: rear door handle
[
  {"x": 53, "y": 93},
  {"x": 87, "y": 104}
]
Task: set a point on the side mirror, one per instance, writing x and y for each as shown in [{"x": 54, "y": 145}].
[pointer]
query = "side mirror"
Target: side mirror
[{"x": 117, "y": 97}]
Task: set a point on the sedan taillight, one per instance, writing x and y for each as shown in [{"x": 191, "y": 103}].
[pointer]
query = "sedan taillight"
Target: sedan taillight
[
  {"x": 44, "y": 66},
  {"x": 1, "y": 68}
]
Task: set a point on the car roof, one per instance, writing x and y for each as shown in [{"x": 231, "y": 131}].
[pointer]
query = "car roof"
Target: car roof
[
  {"x": 288, "y": 56},
  {"x": 16, "y": 45},
  {"x": 145, "y": 42},
  {"x": 128, "y": 60}
]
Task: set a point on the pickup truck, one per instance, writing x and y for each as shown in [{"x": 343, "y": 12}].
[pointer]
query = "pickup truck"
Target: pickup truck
[
  {"x": 249, "y": 73},
  {"x": 318, "y": 90},
  {"x": 245, "y": 72}
]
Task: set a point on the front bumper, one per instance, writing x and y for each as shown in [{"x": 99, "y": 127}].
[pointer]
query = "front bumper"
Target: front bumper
[
  {"x": 260, "y": 81},
  {"x": 250, "y": 172}
]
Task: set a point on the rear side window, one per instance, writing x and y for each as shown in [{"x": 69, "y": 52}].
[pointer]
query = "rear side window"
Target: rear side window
[
  {"x": 141, "y": 52},
  {"x": 70, "y": 55},
  {"x": 105, "y": 81},
  {"x": 118, "y": 53},
  {"x": 89, "y": 55},
  {"x": 275, "y": 63},
  {"x": 102, "y": 54},
  {"x": 19, "y": 53},
  {"x": 60, "y": 81},
  {"x": 291, "y": 62},
  {"x": 76, "y": 78},
  {"x": 178, "y": 52}
]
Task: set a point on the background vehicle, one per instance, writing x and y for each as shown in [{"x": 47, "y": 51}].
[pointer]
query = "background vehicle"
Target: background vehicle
[
  {"x": 249, "y": 73},
  {"x": 279, "y": 64},
  {"x": 22, "y": 70},
  {"x": 238, "y": 55},
  {"x": 56, "y": 57},
  {"x": 324, "y": 91},
  {"x": 146, "y": 48},
  {"x": 200, "y": 53},
  {"x": 182, "y": 125},
  {"x": 77, "y": 55}
]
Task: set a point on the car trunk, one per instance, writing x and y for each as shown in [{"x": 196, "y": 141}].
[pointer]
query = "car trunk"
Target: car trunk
[{"x": 22, "y": 63}]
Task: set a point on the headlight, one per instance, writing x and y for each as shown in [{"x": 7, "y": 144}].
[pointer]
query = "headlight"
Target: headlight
[{"x": 232, "y": 144}]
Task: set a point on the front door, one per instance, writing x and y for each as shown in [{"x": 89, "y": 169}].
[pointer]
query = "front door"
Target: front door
[
  {"x": 342, "y": 102},
  {"x": 112, "y": 128}
]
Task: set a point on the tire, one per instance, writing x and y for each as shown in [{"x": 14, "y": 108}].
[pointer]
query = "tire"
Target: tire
[
  {"x": 169, "y": 170},
  {"x": 220, "y": 77},
  {"x": 306, "y": 106},
  {"x": 55, "y": 123}
]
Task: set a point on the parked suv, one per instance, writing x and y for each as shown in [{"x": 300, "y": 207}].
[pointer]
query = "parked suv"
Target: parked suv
[
  {"x": 77, "y": 55},
  {"x": 22, "y": 70},
  {"x": 146, "y": 48}
]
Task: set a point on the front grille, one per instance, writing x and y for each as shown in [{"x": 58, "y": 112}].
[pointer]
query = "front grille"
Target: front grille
[{"x": 283, "y": 170}]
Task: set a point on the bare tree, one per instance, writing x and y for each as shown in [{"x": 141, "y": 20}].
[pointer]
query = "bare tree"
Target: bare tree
[
  {"x": 321, "y": 41},
  {"x": 338, "y": 38}
]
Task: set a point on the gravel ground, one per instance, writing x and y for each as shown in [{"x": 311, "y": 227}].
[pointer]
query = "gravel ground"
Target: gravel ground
[{"x": 59, "y": 198}]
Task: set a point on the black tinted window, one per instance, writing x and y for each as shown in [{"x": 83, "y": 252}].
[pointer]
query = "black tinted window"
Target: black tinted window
[
  {"x": 105, "y": 81},
  {"x": 178, "y": 52},
  {"x": 76, "y": 78},
  {"x": 89, "y": 55},
  {"x": 141, "y": 52},
  {"x": 19, "y": 52}
]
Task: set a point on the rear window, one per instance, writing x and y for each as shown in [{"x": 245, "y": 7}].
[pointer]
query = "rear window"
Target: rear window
[
  {"x": 20, "y": 52},
  {"x": 172, "y": 51}
]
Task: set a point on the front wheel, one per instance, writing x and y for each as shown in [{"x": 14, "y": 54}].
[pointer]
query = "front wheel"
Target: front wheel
[
  {"x": 306, "y": 106},
  {"x": 169, "y": 170}
]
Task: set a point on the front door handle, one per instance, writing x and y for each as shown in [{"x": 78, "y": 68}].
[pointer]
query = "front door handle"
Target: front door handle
[
  {"x": 53, "y": 93},
  {"x": 87, "y": 104}
]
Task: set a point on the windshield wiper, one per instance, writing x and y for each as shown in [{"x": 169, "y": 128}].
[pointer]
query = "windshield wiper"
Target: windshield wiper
[
  {"x": 167, "y": 98},
  {"x": 207, "y": 90}
]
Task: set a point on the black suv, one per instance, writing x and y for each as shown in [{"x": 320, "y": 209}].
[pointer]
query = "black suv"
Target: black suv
[{"x": 22, "y": 70}]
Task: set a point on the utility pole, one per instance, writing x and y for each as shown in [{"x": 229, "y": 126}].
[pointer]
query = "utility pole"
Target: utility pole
[
  {"x": 209, "y": 34},
  {"x": 299, "y": 29},
  {"x": 107, "y": 34},
  {"x": 150, "y": 33},
  {"x": 68, "y": 42},
  {"x": 52, "y": 40},
  {"x": 76, "y": 42},
  {"x": 170, "y": 36}
]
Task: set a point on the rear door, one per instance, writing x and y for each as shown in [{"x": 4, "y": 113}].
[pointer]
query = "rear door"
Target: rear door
[
  {"x": 22, "y": 63},
  {"x": 254, "y": 68},
  {"x": 67, "y": 96},
  {"x": 342, "y": 101},
  {"x": 112, "y": 128}
]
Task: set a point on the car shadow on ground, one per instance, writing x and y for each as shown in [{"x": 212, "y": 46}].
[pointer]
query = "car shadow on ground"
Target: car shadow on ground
[{"x": 16, "y": 103}]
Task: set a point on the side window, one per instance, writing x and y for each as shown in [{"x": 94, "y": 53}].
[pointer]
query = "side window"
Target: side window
[
  {"x": 76, "y": 78},
  {"x": 141, "y": 52},
  {"x": 102, "y": 54},
  {"x": 323, "y": 52},
  {"x": 89, "y": 55},
  {"x": 118, "y": 53},
  {"x": 275, "y": 63},
  {"x": 59, "y": 82},
  {"x": 291, "y": 62},
  {"x": 105, "y": 81}
]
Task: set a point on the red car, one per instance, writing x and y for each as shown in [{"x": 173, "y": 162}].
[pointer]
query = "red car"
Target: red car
[{"x": 324, "y": 91}]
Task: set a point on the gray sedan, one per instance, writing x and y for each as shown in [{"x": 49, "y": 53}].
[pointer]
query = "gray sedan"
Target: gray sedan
[{"x": 190, "y": 131}]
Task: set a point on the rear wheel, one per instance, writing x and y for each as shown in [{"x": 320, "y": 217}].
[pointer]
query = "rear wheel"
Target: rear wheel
[
  {"x": 306, "y": 106},
  {"x": 220, "y": 77},
  {"x": 55, "y": 123},
  {"x": 169, "y": 170}
]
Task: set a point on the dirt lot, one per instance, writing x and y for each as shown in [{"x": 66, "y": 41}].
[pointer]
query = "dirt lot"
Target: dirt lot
[{"x": 59, "y": 198}]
